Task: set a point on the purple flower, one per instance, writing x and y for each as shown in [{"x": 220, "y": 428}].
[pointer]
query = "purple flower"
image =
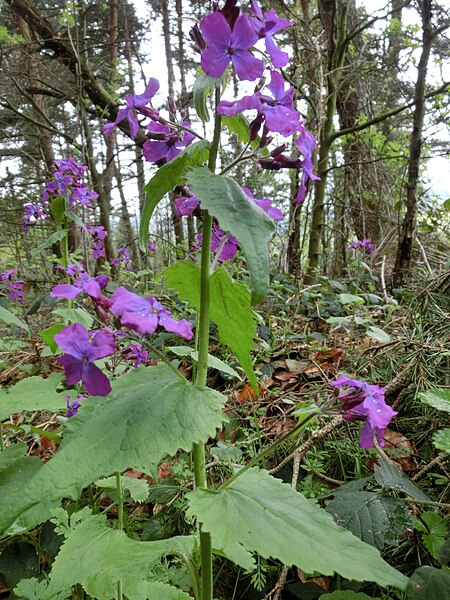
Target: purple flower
[
  {"x": 98, "y": 234},
  {"x": 306, "y": 144},
  {"x": 32, "y": 212},
  {"x": 123, "y": 256},
  {"x": 145, "y": 314},
  {"x": 13, "y": 287},
  {"x": 81, "y": 352},
  {"x": 91, "y": 285},
  {"x": 186, "y": 205},
  {"x": 166, "y": 143},
  {"x": 265, "y": 203},
  {"x": 225, "y": 44},
  {"x": 365, "y": 245},
  {"x": 270, "y": 23},
  {"x": 135, "y": 103},
  {"x": 225, "y": 244},
  {"x": 152, "y": 247},
  {"x": 364, "y": 402},
  {"x": 137, "y": 353},
  {"x": 277, "y": 112},
  {"x": 72, "y": 407}
]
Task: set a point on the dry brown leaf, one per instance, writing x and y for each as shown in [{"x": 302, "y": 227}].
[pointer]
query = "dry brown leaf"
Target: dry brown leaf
[{"x": 323, "y": 582}]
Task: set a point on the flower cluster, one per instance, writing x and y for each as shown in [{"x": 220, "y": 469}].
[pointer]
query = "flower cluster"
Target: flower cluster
[
  {"x": 97, "y": 235},
  {"x": 366, "y": 245},
  {"x": 33, "y": 212},
  {"x": 137, "y": 353},
  {"x": 68, "y": 181},
  {"x": 82, "y": 282},
  {"x": 14, "y": 288},
  {"x": 72, "y": 407},
  {"x": 123, "y": 256},
  {"x": 362, "y": 401}
]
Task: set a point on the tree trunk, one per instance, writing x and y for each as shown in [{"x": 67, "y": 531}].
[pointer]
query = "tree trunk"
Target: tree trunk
[{"x": 404, "y": 251}]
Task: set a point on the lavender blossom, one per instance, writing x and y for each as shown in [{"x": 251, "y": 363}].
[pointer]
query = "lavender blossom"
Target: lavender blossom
[
  {"x": 166, "y": 142},
  {"x": 144, "y": 315},
  {"x": 364, "y": 402},
  {"x": 266, "y": 204},
  {"x": 81, "y": 352},
  {"x": 365, "y": 245},
  {"x": 225, "y": 44}
]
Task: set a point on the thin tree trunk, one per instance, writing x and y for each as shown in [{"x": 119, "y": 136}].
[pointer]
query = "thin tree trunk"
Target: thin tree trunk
[{"x": 404, "y": 251}]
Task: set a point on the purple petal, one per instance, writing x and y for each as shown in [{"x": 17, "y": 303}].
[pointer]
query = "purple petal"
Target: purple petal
[
  {"x": 366, "y": 436},
  {"x": 73, "y": 368},
  {"x": 279, "y": 58},
  {"x": 95, "y": 381},
  {"x": 65, "y": 290},
  {"x": 150, "y": 91},
  {"x": 121, "y": 114},
  {"x": 92, "y": 288},
  {"x": 216, "y": 31},
  {"x": 274, "y": 23},
  {"x": 228, "y": 109},
  {"x": 244, "y": 34},
  {"x": 73, "y": 340},
  {"x": 181, "y": 327},
  {"x": 102, "y": 345},
  {"x": 215, "y": 61},
  {"x": 186, "y": 205},
  {"x": 134, "y": 124},
  {"x": 248, "y": 68},
  {"x": 134, "y": 311},
  {"x": 102, "y": 281},
  {"x": 154, "y": 150},
  {"x": 276, "y": 85}
]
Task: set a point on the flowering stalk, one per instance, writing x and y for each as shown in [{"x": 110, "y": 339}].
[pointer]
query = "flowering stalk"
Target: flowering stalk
[
  {"x": 119, "y": 524},
  {"x": 202, "y": 363}
]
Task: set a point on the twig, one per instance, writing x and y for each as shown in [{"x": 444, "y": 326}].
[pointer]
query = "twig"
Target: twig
[
  {"x": 440, "y": 458},
  {"x": 382, "y": 278},
  {"x": 425, "y": 259}
]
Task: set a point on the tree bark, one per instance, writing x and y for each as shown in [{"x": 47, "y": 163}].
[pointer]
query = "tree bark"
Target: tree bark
[{"x": 402, "y": 268}]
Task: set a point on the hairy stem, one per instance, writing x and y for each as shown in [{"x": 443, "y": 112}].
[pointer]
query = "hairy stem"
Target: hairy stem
[{"x": 119, "y": 524}]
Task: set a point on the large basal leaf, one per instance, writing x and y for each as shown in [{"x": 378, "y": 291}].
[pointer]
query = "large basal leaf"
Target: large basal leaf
[
  {"x": 149, "y": 413},
  {"x": 12, "y": 453},
  {"x": 269, "y": 517},
  {"x": 32, "y": 393},
  {"x": 392, "y": 477},
  {"x": 13, "y": 481},
  {"x": 10, "y": 319},
  {"x": 374, "y": 519},
  {"x": 229, "y": 308},
  {"x": 437, "y": 398},
  {"x": 97, "y": 557},
  {"x": 224, "y": 199},
  {"x": 166, "y": 178},
  {"x": 346, "y": 595},
  {"x": 428, "y": 583}
]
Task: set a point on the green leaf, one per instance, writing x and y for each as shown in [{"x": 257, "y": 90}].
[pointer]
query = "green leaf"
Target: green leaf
[
  {"x": 238, "y": 124},
  {"x": 53, "y": 239},
  {"x": 13, "y": 481},
  {"x": 98, "y": 557},
  {"x": 392, "y": 477},
  {"x": 48, "y": 335},
  {"x": 350, "y": 299},
  {"x": 57, "y": 208},
  {"x": 437, "y": 398},
  {"x": 151, "y": 412},
  {"x": 428, "y": 583},
  {"x": 237, "y": 554},
  {"x": 75, "y": 315},
  {"x": 32, "y": 393},
  {"x": 76, "y": 219},
  {"x": 269, "y": 517},
  {"x": 224, "y": 199},
  {"x": 166, "y": 178},
  {"x": 12, "y": 453},
  {"x": 8, "y": 317},
  {"x": 138, "y": 488},
  {"x": 378, "y": 334},
  {"x": 229, "y": 308},
  {"x": 434, "y": 529},
  {"x": 18, "y": 560},
  {"x": 213, "y": 362},
  {"x": 444, "y": 553},
  {"x": 373, "y": 518},
  {"x": 204, "y": 85}
]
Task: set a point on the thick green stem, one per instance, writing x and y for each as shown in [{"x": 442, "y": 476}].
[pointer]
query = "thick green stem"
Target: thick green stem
[
  {"x": 119, "y": 524},
  {"x": 202, "y": 364}
]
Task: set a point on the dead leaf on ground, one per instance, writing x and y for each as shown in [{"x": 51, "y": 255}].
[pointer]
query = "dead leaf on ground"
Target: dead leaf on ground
[{"x": 323, "y": 582}]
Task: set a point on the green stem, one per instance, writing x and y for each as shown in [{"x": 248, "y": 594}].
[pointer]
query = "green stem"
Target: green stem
[
  {"x": 2, "y": 445},
  {"x": 202, "y": 363},
  {"x": 119, "y": 524}
]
